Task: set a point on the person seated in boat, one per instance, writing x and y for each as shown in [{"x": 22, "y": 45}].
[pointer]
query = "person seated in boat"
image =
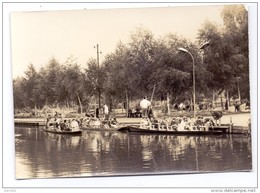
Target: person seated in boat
[
  {"x": 57, "y": 124},
  {"x": 48, "y": 120},
  {"x": 190, "y": 124},
  {"x": 209, "y": 121},
  {"x": 186, "y": 123},
  {"x": 95, "y": 123},
  {"x": 155, "y": 122},
  {"x": 86, "y": 121},
  {"x": 164, "y": 123},
  {"x": 79, "y": 120},
  {"x": 181, "y": 125},
  {"x": 62, "y": 126},
  {"x": 66, "y": 125},
  {"x": 51, "y": 124},
  {"x": 206, "y": 126},
  {"x": 113, "y": 123},
  {"x": 145, "y": 122},
  {"x": 194, "y": 124},
  {"x": 105, "y": 124},
  {"x": 74, "y": 125},
  {"x": 174, "y": 123}
]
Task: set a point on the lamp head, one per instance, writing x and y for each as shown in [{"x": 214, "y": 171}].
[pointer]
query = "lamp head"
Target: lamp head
[
  {"x": 204, "y": 45},
  {"x": 183, "y": 50}
]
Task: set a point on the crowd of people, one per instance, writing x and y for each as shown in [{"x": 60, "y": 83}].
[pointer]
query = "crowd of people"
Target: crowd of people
[
  {"x": 144, "y": 110},
  {"x": 61, "y": 124},
  {"x": 178, "y": 123},
  {"x": 58, "y": 122}
]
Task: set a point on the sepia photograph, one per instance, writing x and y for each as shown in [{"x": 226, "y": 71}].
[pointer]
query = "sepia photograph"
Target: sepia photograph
[{"x": 131, "y": 91}]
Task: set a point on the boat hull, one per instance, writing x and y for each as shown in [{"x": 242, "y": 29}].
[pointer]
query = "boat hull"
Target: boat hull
[
  {"x": 136, "y": 129},
  {"x": 63, "y": 132},
  {"x": 101, "y": 128}
]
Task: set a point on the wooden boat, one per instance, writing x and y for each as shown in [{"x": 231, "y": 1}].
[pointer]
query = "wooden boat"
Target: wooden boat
[
  {"x": 101, "y": 128},
  {"x": 58, "y": 127},
  {"x": 98, "y": 125},
  {"x": 53, "y": 130},
  {"x": 170, "y": 130}
]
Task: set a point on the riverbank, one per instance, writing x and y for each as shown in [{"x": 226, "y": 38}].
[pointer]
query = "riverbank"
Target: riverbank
[{"x": 238, "y": 119}]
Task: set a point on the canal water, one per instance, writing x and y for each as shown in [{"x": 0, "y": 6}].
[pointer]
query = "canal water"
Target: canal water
[{"x": 107, "y": 153}]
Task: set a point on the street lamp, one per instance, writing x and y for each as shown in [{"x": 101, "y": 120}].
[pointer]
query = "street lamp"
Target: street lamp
[
  {"x": 194, "y": 100},
  {"x": 98, "y": 69},
  {"x": 194, "y": 94}
]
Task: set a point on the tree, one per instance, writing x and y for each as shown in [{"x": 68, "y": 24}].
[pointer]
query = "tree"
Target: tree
[
  {"x": 135, "y": 68},
  {"x": 31, "y": 87},
  {"x": 49, "y": 84},
  {"x": 226, "y": 59},
  {"x": 118, "y": 80},
  {"x": 95, "y": 77},
  {"x": 73, "y": 82},
  {"x": 139, "y": 65},
  {"x": 18, "y": 93},
  {"x": 235, "y": 18}
]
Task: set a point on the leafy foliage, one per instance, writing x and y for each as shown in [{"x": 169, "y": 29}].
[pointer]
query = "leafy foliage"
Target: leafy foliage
[
  {"x": 145, "y": 62},
  {"x": 227, "y": 59}
]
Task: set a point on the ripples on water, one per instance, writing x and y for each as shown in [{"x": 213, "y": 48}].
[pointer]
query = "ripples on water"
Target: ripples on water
[{"x": 100, "y": 153}]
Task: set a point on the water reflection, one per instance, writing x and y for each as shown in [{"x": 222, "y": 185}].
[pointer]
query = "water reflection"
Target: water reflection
[{"x": 40, "y": 154}]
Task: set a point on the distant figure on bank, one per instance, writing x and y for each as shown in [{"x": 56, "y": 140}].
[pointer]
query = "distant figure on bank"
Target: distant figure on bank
[
  {"x": 97, "y": 112},
  {"x": 237, "y": 107},
  {"x": 144, "y": 104},
  {"x": 106, "y": 111}
]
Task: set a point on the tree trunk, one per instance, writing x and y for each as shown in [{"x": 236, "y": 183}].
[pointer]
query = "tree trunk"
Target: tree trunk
[
  {"x": 127, "y": 102},
  {"x": 80, "y": 105},
  {"x": 213, "y": 100},
  {"x": 168, "y": 104},
  {"x": 111, "y": 103},
  {"x": 152, "y": 94},
  {"x": 221, "y": 99},
  {"x": 192, "y": 105},
  {"x": 227, "y": 100},
  {"x": 239, "y": 94},
  {"x": 35, "y": 109},
  {"x": 99, "y": 97}
]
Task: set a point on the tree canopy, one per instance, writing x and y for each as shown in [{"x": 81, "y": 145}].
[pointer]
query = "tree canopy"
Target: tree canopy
[{"x": 144, "y": 63}]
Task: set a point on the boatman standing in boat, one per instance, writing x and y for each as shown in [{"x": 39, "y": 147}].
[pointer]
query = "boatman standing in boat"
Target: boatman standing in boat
[{"x": 145, "y": 104}]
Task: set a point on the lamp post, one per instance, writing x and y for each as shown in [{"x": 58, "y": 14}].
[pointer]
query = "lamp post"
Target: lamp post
[
  {"x": 194, "y": 100},
  {"x": 98, "y": 69},
  {"x": 193, "y": 65}
]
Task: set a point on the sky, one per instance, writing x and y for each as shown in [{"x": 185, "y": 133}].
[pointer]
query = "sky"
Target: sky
[{"x": 38, "y": 36}]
